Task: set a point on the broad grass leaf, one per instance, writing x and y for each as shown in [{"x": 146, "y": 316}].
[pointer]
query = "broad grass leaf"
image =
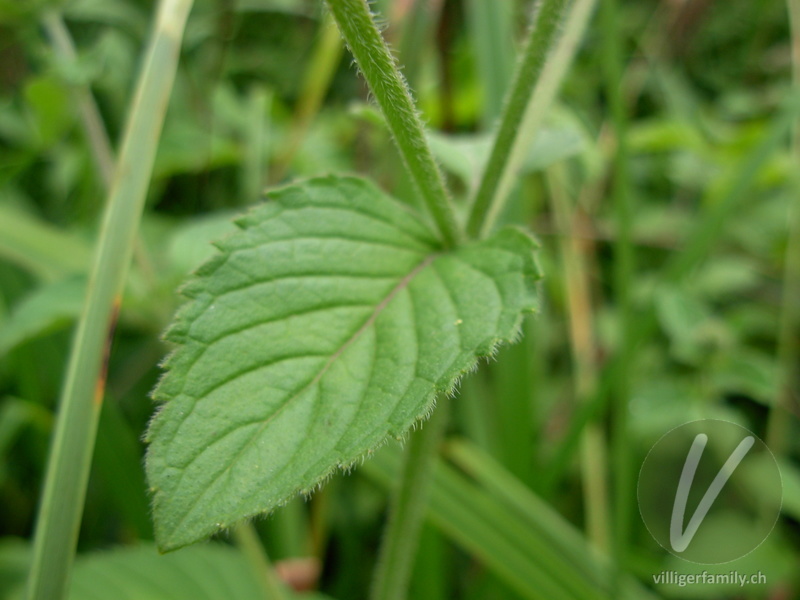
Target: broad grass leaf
[{"x": 328, "y": 323}]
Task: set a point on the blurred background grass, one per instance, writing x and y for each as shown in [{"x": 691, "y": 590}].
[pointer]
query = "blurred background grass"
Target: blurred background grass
[{"x": 660, "y": 187}]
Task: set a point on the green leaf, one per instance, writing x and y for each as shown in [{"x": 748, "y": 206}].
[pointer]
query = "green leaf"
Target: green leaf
[
  {"x": 689, "y": 323},
  {"x": 14, "y": 564},
  {"x": 465, "y": 155},
  {"x": 50, "y": 307},
  {"x": 327, "y": 324},
  {"x": 38, "y": 247},
  {"x": 190, "y": 243},
  {"x": 207, "y": 572},
  {"x": 50, "y": 107}
]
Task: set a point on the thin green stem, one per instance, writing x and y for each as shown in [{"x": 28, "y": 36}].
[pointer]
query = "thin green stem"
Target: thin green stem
[
  {"x": 391, "y": 92},
  {"x": 96, "y": 134},
  {"x": 317, "y": 80},
  {"x": 415, "y": 37},
  {"x": 94, "y": 129},
  {"x": 536, "y": 83},
  {"x": 491, "y": 27},
  {"x": 76, "y": 427},
  {"x": 593, "y": 451},
  {"x": 253, "y": 550},
  {"x": 779, "y": 423},
  {"x": 256, "y": 134},
  {"x": 612, "y": 63},
  {"x": 400, "y": 540}
]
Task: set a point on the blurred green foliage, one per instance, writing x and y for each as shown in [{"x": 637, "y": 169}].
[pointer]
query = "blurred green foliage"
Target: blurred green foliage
[{"x": 703, "y": 88}]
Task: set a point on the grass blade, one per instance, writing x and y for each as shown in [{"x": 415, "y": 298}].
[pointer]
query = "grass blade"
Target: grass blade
[
  {"x": 490, "y": 25},
  {"x": 39, "y": 247},
  {"x": 624, "y": 268},
  {"x": 779, "y": 423},
  {"x": 76, "y": 428},
  {"x": 522, "y": 541},
  {"x": 92, "y": 122},
  {"x": 317, "y": 79},
  {"x": 577, "y": 284}
]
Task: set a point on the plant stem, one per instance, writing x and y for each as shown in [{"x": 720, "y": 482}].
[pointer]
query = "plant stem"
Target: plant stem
[
  {"x": 251, "y": 547},
  {"x": 96, "y": 135},
  {"x": 538, "y": 76},
  {"x": 612, "y": 64},
  {"x": 317, "y": 80},
  {"x": 256, "y": 134},
  {"x": 94, "y": 128},
  {"x": 780, "y": 421},
  {"x": 491, "y": 27},
  {"x": 593, "y": 450},
  {"x": 76, "y": 427},
  {"x": 415, "y": 37},
  {"x": 391, "y": 92},
  {"x": 396, "y": 558}
]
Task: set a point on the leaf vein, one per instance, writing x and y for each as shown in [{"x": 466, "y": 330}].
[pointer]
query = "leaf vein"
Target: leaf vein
[{"x": 378, "y": 309}]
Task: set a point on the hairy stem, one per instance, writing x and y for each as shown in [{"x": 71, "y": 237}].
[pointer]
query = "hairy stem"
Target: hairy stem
[
  {"x": 68, "y": 466},
  {"x": 391, "y": 92},
  {"x": 538, "y": 76}
]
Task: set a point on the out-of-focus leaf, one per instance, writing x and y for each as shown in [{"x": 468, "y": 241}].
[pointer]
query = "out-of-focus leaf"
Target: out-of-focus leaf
[
  {"x": 208, "y": 572},
  {"x": 791, "y": 488},
  {"x": 665, "y": 135},
  {"x": 16, "y": 415},
  {"x": 117, "y": 462},
  {"x": 689, "y": 323},
  {"x": 749, "y": 373},
  {"x": 773, "y": 559},
  {"x": 107, "y": 12},
  {"x": 727, "y": 276},
  {"x": 48, "y": 252},
  {"x": 191, "y": 243},
  {"x": 186, "y": 147},
  {"x": 465, "y": 155},
  {"x": 294, "y": 7},
  {"x": 15, "y": 557},
  {"x": 48, "y": 308},
  {"x": 50, "y": 104}
]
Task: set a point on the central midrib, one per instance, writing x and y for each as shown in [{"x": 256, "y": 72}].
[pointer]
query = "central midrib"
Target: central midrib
[{"x": 401, "y": 285}]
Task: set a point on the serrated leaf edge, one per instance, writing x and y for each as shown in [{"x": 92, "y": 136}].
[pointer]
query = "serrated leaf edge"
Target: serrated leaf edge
[{"x": 447, "y": 384}]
